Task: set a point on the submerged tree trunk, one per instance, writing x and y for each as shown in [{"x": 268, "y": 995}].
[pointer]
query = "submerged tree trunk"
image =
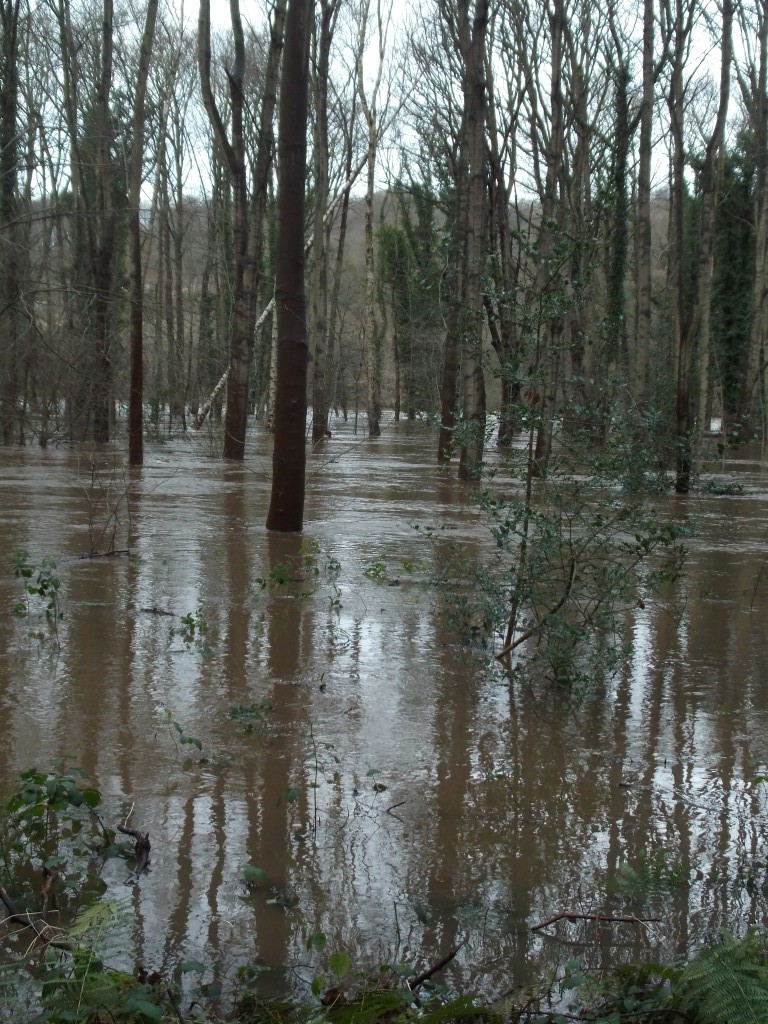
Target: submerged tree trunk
[
  {"x": 369, "y": 103},
  {"x": 711, "y": 179},
  {"x": 643, "y": 228},
  {"x": 136, "y": 387},
  {"x": 454, "y": 278},
  {"x": 501, "y": 304},
  {"x": 286, "y": 509},
  {"x": 754, "y": 90},
  {"x": 471, "y": 457},
  {"x": 10, "y": 357},
  {"x": 548, "y": 281},
  {"x": 319, "y": 274},
  {"x": 691, "y": 318},
  {"x": 104, "y": 253}
]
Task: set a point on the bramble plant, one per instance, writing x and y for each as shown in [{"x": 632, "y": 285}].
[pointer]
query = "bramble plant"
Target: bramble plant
[
  {"x": 51, "y": 827},
  {"x": 376, "y": 569},
  {"x": 253, "y": 718},
  {"x": 304, "y": 569},
  {"x": 178, "y": 735},
  {"x": 193, "y": 631},
  {"x": 40, "y": 581}
]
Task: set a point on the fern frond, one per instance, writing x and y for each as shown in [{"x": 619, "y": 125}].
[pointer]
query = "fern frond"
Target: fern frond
[{"x": 727, "y": 983}]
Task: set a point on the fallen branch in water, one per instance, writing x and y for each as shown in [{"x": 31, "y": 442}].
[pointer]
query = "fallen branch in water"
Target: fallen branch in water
[
  {"x": 426, "y": 975},
  {"x": 202, "y": 415},
  {"x": 43, "y": 931},
  {"x": 113, "y": 553},
  {"x": 568, "y": 915},
  {"x": 141, "y": 849}
]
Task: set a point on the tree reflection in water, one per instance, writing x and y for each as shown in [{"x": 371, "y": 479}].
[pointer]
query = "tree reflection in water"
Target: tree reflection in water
[{"x": 399, "y": 795}]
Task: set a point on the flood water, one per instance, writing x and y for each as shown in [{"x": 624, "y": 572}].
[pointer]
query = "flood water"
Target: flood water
[{"x": 399, "y": 794}]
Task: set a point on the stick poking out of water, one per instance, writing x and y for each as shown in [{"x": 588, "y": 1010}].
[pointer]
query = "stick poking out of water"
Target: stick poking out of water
[{"x": 425, "y": 975}]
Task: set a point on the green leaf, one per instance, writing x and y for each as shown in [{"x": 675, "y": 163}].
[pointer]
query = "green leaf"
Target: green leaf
[
  {"x": 192, "y": 967},
  {"x": 74, "y": 795},
  {"x": 251, "y": 875},
  {"x": 339, "y": 963},
  {"x": 96, "y": 916},
  {"x": 149, "y": 1011},
  {"x": 423, "y": 914},
  {"x": 317, "y": 941},
  {"x": 290, "y": 796}
]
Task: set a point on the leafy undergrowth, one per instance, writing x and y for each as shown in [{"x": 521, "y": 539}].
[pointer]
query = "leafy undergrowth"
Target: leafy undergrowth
[
  {"x": 63, "y": 928},
  {"x": 725, "y": 983}
]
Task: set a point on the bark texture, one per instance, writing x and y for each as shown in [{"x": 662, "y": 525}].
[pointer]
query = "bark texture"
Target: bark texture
[{"x": 286, "y": 509}]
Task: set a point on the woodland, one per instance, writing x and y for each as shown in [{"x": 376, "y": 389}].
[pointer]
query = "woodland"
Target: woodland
[
  {"x": 556, "y": 211},
  {"x": 542, "y": 228}
]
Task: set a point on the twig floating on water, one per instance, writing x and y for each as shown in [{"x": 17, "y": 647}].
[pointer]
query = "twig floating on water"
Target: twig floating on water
[{"x": 568, "y": 915}]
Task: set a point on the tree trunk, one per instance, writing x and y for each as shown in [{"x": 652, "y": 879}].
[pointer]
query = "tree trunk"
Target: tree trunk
[
  {"x": 471, "y": 456},
  {"x": 248, "y": 212},
  {"x": 711, "y": 179},
  {"x": 286, "y": 509},
  {"x": 319, "y": 274},
  {"x": 136, "y": 392},
  {"x": 371, "y": 331},
  {"x": 104, "y": 253},
  {"x": 455, "y": 275},
  {"x": 755, "y": 95},
  {"x": 502, "y": 305},
  {"x": 691, "y": 319},
  {"x": 334, "y": 314},
  {"x": 9, "y": 278},
  {"x": 548, "y": 279},
  {"x": 643, "y": 227}
]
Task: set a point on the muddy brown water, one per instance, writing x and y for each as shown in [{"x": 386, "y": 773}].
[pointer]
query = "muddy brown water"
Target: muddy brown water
[{"x": 430, "y": 802}]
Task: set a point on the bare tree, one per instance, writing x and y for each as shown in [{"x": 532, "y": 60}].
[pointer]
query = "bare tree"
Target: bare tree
[
  {"x": 690, "y": 313},
  {"x": 377, "y": 109},
  {"x": 249, "y": 206},
  {"x": 325, "y": 26}
]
